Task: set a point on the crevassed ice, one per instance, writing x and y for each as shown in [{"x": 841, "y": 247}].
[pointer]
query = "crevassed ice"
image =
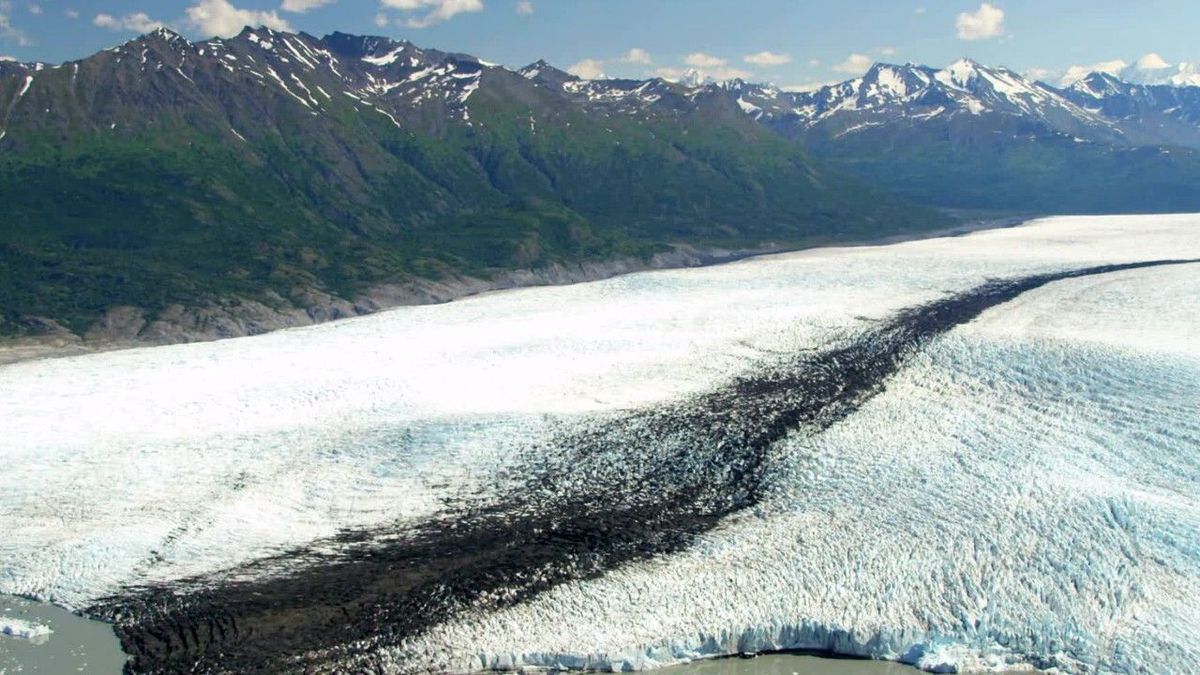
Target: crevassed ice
[
  {"x": 155, "y": 464},
  {"x": 1023, "y": 495}
]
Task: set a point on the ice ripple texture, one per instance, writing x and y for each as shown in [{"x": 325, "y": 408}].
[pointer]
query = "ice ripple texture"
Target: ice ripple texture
[{"x": 1024, "y": 492}]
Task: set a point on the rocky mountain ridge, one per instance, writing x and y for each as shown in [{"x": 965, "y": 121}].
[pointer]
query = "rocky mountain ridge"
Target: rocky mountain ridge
[{"x": 300, "y": 173}]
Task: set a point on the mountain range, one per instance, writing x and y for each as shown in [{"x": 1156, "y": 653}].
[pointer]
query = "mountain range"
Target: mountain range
[
  {"x": 971, "y": 136},
  {"x": 167, "y": 189}
]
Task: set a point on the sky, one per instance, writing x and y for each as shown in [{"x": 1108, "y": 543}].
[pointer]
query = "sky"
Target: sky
[{"x": 795, "y": 44}]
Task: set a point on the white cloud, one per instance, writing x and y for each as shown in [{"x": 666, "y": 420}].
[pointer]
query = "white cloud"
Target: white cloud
[
  {"x": 1078, "y": 72},
  {"x": 525, "y": 8},
  {"x": 220, "y": 18},
  {"x": 71, "y": 13},
  {"x": 139, "y": 22},
  {"x": 593, "y": 69},
  {"x": 637, "y": 55},
  {"x": 767, "y": 59},
  {"x": 301, "y": 6},
  {"x": 808, "y": 86},
  {"x": 920, "y": 10},
  {"x": 1036, "y": 73},
  {"x": 588, "y": 69},
  {"x": 1151, "y": 68},
  {"x": 813, "y": 63},
  {"x": 728, "y": 74},
  {"x": 11, "y": 32},
  {"x": 7, "y": 58},
  {"x": 887, "y": 51},
  {"x": 434, "y": 11},
  {"x": 985, "y": 22},
  {"x": 669, "y": 73},
  {"x": 34, "y": 8},
  {"x": 718, "y": 73},
  {"x": 1151, "y": 61},
  {"x": 381, "y": 20},
  {"x": 855, "y": 64},
  {"x": 702, "y": 60}
]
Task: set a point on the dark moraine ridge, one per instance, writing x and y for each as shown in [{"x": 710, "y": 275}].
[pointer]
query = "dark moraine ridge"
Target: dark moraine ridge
[{"x": 635, "y": 485}]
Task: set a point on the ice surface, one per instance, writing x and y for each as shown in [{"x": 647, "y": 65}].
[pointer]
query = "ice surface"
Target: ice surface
[
  {"x": 25, "y": 630},
  {"x": 1022, "y": 495},
  {"x": 1025, "y": 492}
]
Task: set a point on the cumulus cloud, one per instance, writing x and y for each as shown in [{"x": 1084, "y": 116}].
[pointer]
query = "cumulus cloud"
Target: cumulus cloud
[
  {"x": 702, "y": 60},
  {"x": 855, "y": 64},
  {"x": 1078, "y": 72},
  {"x": 433, "y": 11},
  {"x": 593, "y": 69},
  {"x": 804, "y": 87},
  {"x": 588, "y": 69},
  {"x": 716, "y": 73},
  {"x": 1036, "y": 73},
  {"x": 138, "y": 22},
  {"x": 220, "y": 18},
  {"x": 637, "y": 55},
  {"x": 1151, "y": 68},
  {"x": 381, "y": 20},
  {"x": 525, "y": 8},
  {"x": 301, "y": 6},
  {"x": 767, "y": 59},
  {"x": 985, "y": 22}
]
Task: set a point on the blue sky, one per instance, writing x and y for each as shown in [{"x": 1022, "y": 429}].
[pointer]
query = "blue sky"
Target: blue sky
[{"x": 789, "y": 42}]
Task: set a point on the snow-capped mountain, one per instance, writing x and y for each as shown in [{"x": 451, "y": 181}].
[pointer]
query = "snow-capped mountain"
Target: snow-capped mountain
[
  {"x": 1154, "y": 71},
  {"x": 273, "y": 178},
  {"x": 308, "y": 106},
  {"x": 887, "y": 95},
  {"x": 1154, "y": 113},
  {"x": 9, "y": 68}
]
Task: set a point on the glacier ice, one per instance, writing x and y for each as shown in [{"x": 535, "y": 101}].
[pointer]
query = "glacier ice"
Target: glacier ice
[
  {"x": 1008, "y": 501},
  {"x": 25, "y": 630},
  {"x": 1023, "y": 493}
]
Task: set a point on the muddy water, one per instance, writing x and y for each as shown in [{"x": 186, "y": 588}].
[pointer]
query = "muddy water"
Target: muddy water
[
  {"x": 77, "y": 645},
  {"x": 790, "y": 664}
]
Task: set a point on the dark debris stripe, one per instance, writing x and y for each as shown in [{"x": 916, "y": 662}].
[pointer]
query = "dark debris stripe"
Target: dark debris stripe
[{"x": 633, "y": 486}]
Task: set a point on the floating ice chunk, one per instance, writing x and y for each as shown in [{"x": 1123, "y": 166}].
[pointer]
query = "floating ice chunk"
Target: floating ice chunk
[{"x": 25, "y": 630}]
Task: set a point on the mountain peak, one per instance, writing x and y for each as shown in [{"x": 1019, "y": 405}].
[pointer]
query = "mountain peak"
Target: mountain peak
[
  {"x": 542, "y": 72},
  {"x": 962, "y": 71},
  {"x": 1179, "y": 75},
  {"x": 375, "y": 50},
  {"x": 164, "y": 33},
  {"x": 1099, "y": 84}
]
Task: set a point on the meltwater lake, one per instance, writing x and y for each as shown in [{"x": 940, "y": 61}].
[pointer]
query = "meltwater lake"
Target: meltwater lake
[{"x": 974, "y": 452}]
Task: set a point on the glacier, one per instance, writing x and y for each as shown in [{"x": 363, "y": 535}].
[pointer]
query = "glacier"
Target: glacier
[
  {"x": 25, "y": 630},
  {"x": 1023, "y": 493}
]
